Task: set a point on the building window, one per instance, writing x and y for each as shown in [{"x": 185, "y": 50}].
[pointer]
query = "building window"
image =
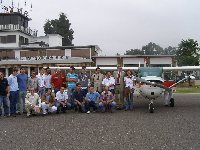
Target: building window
[
  {"x": 8, "y": 39},
  {"x": 2, "y": 39},
  {"x": 11, "y": 39}
]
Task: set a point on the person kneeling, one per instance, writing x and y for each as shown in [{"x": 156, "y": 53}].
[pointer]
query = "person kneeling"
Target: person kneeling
[
  {"x": 107, "y": 101},
  {"x": 92, "y": 99},
  {"x": 32, "y": 103},
  {"x": 61, "y": 101},
  {"x": 48, "y": 102},
  {"x": 79, "y": 99}
]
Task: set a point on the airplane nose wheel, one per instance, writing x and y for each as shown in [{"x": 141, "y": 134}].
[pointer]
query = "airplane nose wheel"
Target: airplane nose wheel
[
  {"x": 171, "y": 102},
  {"x": 151, "y": 108}
]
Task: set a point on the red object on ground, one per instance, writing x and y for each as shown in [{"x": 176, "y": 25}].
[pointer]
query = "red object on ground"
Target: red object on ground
[{"x": 169, "y": 83}]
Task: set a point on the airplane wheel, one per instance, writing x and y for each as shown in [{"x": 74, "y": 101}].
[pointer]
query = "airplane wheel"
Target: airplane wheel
[
  {"x": 172, "y": 102},
  {"x": 151, "y": 108}
]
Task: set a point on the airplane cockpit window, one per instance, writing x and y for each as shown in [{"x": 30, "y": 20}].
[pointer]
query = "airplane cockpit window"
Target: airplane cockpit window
[{"x": 150, "y": 71}]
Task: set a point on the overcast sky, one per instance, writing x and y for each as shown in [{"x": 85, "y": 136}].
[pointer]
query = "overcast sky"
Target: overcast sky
[{"x": 119, "y": 25}]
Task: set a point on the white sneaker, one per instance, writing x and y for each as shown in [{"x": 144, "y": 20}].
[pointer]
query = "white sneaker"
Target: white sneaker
[{"x": 88, "y": 112}]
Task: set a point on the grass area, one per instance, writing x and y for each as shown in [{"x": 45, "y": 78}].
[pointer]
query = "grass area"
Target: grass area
[{"x": 188, "y": 90}]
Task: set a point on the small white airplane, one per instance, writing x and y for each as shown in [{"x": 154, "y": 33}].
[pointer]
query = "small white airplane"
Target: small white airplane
[{"x": 151, "y": 79}]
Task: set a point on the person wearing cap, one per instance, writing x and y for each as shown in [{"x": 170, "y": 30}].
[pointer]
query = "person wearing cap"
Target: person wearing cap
[
  {"x": 96, "y": 80},
  {"x": 84, "y": 80},
  {"x": 71, "y": 79},
  {"x": 14, "y": 91},
  {"x": 119, "y": 86}
]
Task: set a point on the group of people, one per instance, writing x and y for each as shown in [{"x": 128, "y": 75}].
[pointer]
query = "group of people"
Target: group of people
[{"x": 47, "y": 93}]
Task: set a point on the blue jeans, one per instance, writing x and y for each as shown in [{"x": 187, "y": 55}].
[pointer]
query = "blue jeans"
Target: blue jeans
[
  {"x": 60, "y": 107},
  {"x": 111, "y": 106},
  {"x": 56, "y": 90},
  {"x": 4, "y": 100},
  {"x": 78, "y": 107},
  {"x": 21, "y": 102},
  {"x": 128, "y": 102},
  {"x": 70, "y": 97},
  {"x": 41, "y": 91},
  {"x": 90, "y": 104},
  {"x": 14, "y": 97}
]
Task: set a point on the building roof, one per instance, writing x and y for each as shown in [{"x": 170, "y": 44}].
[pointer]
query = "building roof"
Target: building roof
[
  {"x": 132, "y": 56},
  {"x": 54, "y": 47}
]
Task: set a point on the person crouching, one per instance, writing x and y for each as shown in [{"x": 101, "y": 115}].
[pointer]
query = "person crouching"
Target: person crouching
[
  {"x": 79, "y": 99},
  {"x": 48, "y": 102},
  {"x": 107, "y": 101},
  {"x": 62, "y": 100},
  {"x": 32, "y": 103}
]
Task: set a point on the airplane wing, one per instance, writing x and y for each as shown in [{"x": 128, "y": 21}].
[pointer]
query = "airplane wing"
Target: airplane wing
[
  {"x": 93, "y": 68},
  {"x": 183, "y": 68}
]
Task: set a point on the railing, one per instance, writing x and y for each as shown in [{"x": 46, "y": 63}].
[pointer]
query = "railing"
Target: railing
[{"x": 17, "y": 27}]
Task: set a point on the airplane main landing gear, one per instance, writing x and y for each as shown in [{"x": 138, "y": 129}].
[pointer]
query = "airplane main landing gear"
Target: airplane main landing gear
[
  {"x": 151, "y": 108},
  {"x": 171, "y": 102}
]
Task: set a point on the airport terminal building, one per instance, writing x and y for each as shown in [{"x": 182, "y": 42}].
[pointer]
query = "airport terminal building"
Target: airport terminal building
[{"x": 20, "y": 46}]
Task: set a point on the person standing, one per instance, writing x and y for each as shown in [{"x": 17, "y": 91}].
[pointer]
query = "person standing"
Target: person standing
[
  {"x": 57, "y": 80},
  {"x": 41, "y": 82},
  {"x": 71, "y": 79},
  {"x": 84, "y": 80},
  {"x": 109, "y": 81},
  {"x": 22, "y": 79},
  {"x": 119, "y": 86},
  {"x": 4, "y": 94},
  {"x": 47, "y": 78},
  {"x": 14, "y": 91},
  {"x": 129, "y": 90},
  {"x": 33, "y": 82},
  {"x": 96, "y": 80}
]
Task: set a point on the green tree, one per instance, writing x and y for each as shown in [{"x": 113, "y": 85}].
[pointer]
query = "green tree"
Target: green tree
[
  {"x": 187, "y": 53},
  {"x": 152, "y": 49},
  {"x": 60, "y": 26},
  {"x": 169, "y": 51},
  {"x": 134, "y": 52}
]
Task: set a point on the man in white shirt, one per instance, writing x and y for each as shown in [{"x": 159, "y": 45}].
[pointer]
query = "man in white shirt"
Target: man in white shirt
[
  {"x": 32, "y": 103},
  {"x": 109, "y": 81},
  {"x": 47, "y": 79},
  {"x": 62, "y": 100},
  {"x": 41, "y": 82}
]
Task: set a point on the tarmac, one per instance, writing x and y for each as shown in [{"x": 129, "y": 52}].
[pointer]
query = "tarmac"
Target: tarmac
[{"x": 168, "y": 128}]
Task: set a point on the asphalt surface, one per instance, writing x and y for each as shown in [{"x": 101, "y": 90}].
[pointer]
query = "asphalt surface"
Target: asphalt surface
[{"x": 167, "y": 128}]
